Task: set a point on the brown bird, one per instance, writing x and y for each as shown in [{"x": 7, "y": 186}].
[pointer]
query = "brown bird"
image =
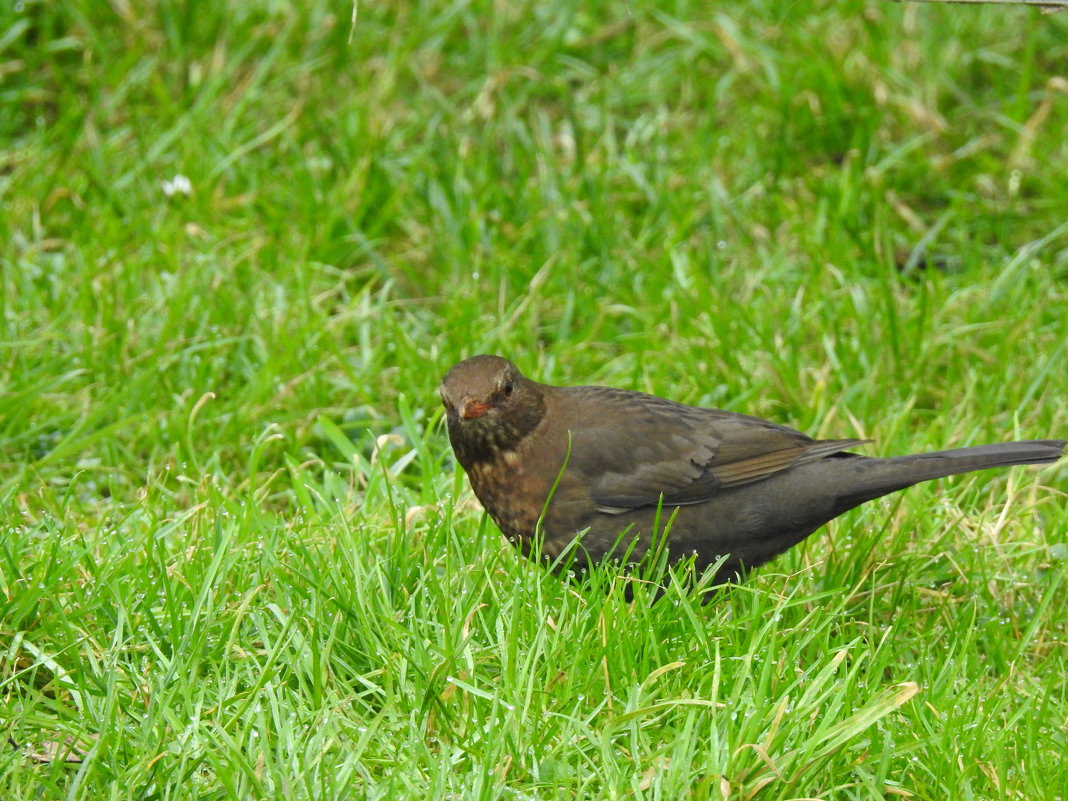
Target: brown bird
[{"x": 621, "y": 467}]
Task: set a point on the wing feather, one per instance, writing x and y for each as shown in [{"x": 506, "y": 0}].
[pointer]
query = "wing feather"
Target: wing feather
[{"x": 681, "y": 453}]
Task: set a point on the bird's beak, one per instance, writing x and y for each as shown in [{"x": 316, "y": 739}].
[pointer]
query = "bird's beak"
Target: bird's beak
[{"x": 471, "y": 408}]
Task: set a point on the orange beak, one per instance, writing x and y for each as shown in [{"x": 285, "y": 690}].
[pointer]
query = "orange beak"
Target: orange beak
[{"x": 471, "y": 408}]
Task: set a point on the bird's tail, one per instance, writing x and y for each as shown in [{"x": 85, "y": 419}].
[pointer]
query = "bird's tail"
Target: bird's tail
[
  {"x": 883, "y": 476},
  {"x": 925, "y": 466}
]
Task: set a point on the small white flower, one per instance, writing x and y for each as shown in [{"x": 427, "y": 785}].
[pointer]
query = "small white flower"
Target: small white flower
[{"x": 179, "y": 185}]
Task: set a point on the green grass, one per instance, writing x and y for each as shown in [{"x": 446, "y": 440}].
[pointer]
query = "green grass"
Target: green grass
[{"x": 237, "y": 559}]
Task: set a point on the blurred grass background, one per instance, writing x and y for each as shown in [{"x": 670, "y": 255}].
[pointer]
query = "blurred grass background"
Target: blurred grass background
[{"x": 237, "y": 559}]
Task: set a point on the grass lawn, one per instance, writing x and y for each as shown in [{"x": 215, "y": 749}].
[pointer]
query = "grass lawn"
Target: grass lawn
[{"x": 240, "y": 244}]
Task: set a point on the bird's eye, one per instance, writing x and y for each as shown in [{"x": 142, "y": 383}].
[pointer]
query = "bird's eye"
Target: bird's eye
[{"x": 508, "y": 389}]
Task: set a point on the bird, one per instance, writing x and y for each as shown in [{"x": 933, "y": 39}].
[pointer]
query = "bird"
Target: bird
[{"x": 615, "y": 471}]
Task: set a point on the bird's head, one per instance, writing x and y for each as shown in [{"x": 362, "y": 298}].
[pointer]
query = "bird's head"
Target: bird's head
[{"x": 490, "y": 406}]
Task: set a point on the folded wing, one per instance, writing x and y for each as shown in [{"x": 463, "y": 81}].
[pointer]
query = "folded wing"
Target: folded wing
[{"x": 681, "y": 453}]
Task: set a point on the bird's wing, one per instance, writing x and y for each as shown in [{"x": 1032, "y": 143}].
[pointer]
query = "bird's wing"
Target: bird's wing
[{"x": 632, "y": 449}]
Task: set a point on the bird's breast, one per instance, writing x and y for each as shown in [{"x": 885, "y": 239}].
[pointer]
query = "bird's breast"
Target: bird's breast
[{"x": 512, "y": 491}]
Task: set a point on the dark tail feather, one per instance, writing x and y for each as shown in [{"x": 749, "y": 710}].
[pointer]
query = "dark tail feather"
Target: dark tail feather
[
  {"x": 925, "y": 466},
  {"x": 889, "y": 475}
]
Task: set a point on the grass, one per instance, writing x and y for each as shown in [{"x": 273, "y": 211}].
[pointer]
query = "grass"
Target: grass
[{"x": 237, "y": 559}]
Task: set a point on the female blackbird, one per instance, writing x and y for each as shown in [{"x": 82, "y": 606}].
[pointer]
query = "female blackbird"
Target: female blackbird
[{"x": 622, "y": 468}]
